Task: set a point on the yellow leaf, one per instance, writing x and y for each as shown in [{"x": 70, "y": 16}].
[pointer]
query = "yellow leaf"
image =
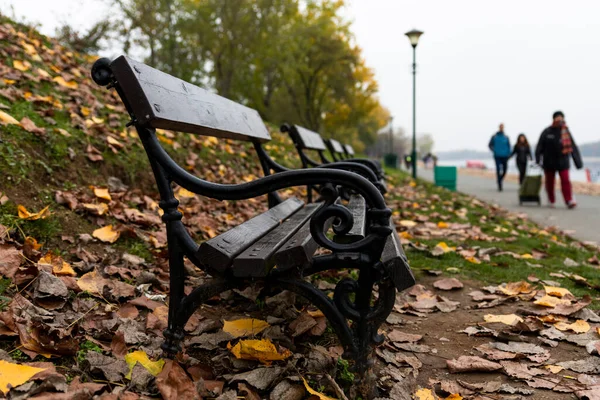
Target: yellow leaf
[
  {"x": 555, "y": 369},
  {"x": 85, "y": 111},
  {"x": 139, "y": 356},
  {"x": 106, "y": 234},
  {"x": 9, "y": 81},
  {"x": 261, "y": 350},
  {"x": 13, "y": 375},
  {"x": 32, "y": 242},
  {"x": 7, "y": 119},
  {"x": 43, "y": 73},
  {"x": 313, "y": 392},
  {"x": 454, "y": 396},
  {"x": 579, "y": 326},
  {"x": 473, "y": 260},
  {"x": 515, "y": 288},
  {"x": 507, "y": 319},
  {"x": 97, "y": 120},
  {"x": 550, "y": 301},
  {"x": 444, "y": 247},
  {"x": 102, "y": 193},
  {"x": 244, "y": 327},
  {"x": 442, "y": 225},
  {"x": 210, "y": 141},
  {"x": 62, "y": 132},
  {"x": 228, "y": 149},
  {"x": 91, "y": 282},
  {"x": 556, "y": 291},
  {"x": 59, "y": 266},
  {"x": 96, "y": 209},
  {"x": 21, "y": 65},
  {"x": 425, "y": 394},
  {"x": 526, "y": 256},
  {"x": 26, "y": 215},
  {"x": 408, "y": 224},
  {"x": 62, "y": 82},
  {"x": 183, "y": 192},
  {"x": 405, "y": 235},
  {"x": 412, "y": 184},
  {"x": 598, "y": 330},
  {"x": 114, "y": 142},
  {"x": 316, "y": 314}
]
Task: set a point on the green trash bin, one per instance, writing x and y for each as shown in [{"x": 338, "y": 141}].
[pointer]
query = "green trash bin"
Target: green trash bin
[
  {"x": 391, "y": 160},
  {"x": 445, "y": 177}
]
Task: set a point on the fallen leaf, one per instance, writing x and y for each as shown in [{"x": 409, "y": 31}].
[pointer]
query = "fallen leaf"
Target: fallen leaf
[
  {"x": 262, "y": 350},
  {"x": 555, "y": 369},
  {"x": 448, "y": 284},
  {"x": 471, "y": 363},
  {"x": 516, "y": 288},
  {"x": 96, "y": 209},
  {"x": 244, "y": 327},
  {"x": 556, "y": 291},
  {"x": 106, "y": 234},
  {"x": 551, "y": 301},
  {"x": 313, "y": 392},
  {"x": 21, "y": 65},
  {"x": 139, "y": 356},
  {"x": 473, "y": 260},
  {"x": 442, "y": 248},
  {"x": 102, "y": 193},
  {"x": 6, "y": 119},
  {"x": 183, "y": 192},
  {"x": 408, "y": 223},
  {"x": 12, "y": 375},
  {"x": 398, "y": 336},
  {"x": 174, "y": 384},
  {"x": 443, "y": 225},
  {"x": 579, "y": 326},
  {"x": 26, "y": 215},
  {"x": 507, "y": 319},
  {"x": 62, "y": 82}
]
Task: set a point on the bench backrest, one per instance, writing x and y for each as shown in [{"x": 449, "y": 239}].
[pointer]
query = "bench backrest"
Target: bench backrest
[
  {"x": 159, "y": 100},
  {"x": 349, "y": 149},
  {"x": 307, "y": 139},
  {"x": 336, "y": 146}
]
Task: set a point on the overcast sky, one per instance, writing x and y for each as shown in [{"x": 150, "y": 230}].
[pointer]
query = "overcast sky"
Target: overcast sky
[{"x": 479, "y": 62}]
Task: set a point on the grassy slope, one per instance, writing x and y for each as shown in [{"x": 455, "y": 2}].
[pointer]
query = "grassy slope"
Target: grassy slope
[{"x": 515, "y": 233}]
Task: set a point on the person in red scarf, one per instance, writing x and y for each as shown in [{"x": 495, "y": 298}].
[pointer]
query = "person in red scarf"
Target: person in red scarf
[{"x": 554, "y": 151}]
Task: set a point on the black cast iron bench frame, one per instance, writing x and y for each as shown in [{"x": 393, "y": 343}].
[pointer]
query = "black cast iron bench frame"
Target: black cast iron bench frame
[{"x": 365, "y": 240}]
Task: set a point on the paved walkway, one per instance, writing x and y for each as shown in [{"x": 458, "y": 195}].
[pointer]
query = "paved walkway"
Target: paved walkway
[{"x": 584, "y": 221}]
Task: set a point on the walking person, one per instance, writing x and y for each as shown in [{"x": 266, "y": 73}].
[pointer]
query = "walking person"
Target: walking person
[
  {"x": 523, "y": 153},
  {"x": 554, "y": 151},
  {"x": 500, "y": 146}
]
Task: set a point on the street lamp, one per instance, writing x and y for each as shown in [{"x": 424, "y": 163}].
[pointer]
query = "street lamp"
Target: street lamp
[{"x": 413, "y": 37}]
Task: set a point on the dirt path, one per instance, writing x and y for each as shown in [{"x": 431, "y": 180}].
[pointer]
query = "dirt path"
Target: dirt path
[{"x": 442, "y": 333}]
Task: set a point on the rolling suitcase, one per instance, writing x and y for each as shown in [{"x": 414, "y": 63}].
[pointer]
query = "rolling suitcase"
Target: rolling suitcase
[{"x": 529, "y": 192}]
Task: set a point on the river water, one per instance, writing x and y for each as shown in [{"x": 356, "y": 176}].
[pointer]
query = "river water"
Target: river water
[{"x": 577, "y": 175}]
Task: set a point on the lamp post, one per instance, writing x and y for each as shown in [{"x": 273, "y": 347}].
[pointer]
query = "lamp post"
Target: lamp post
[
  {"x": 413, "y": 36},
  {"x": 392, "y": 140}
]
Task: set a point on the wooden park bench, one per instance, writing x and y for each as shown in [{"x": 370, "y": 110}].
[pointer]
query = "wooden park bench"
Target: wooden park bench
[
  {"x": 279, "y": 245},
  {"x": 346, "y": 152}
]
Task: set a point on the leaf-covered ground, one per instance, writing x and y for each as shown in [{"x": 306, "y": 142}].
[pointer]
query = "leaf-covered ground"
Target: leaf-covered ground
[{"x": 84, "y": 283}]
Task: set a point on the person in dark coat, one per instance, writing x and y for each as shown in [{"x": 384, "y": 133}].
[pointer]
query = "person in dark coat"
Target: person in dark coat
[
  {"x": 554, "y": 151},
  {"x": 523, "y": 153},
  {"x": 500, "y": 146}
]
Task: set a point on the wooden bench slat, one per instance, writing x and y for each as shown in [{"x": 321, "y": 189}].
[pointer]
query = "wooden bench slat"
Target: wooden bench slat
[
  {"x": 257, "y": 260},
  {"x": 349, "y": 149},
  {"x": 219, "y": 252},
  {"x": 163, "y": 101},
  {"x": 309, "y": 139},
  {"x": 395, "y": 261},
  {"x": 357, "y": 206}
]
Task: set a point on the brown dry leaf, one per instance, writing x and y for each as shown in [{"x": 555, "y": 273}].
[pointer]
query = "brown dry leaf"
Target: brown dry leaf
[
  {"x": 107, "y": 234},
  {"x": 174, "y": 384},
  {"x": 398, "y": 336},
  {"x": 448, "y": 284},
  {"x": 471, "y": 363},
  {"x": 6, "y": 119},
  {"x": 579, "y": 326},
  {"x": 31, "y": 127},
  {"x": 262, "y": 350},
  {"x": 91, "y": 282},
  {"x": 507, "y": 319},
  {"x": 516, "y": 288},
  {"x": 244, "y": 327},
  {"x": 102, "y": 193},
  {"x": 26, "y": 215},
  {"x": 10, "y": 260},
  {"x": 407, "y": 223}
]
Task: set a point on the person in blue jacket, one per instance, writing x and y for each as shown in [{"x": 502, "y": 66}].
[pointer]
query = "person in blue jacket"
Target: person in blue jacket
[{"x": 500, "y": 146}]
